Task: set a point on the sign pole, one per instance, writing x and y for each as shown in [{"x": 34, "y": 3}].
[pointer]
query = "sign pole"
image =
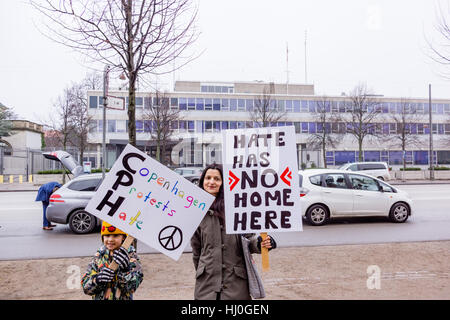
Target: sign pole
[{"x": 264, "y": 254}]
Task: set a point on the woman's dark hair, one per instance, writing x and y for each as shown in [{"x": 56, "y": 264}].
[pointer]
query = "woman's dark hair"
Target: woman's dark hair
[{"x": 218, "y": 205}]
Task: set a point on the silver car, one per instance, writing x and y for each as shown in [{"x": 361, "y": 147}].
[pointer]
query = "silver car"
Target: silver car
[
  {"x": 68, "y": 202},
  {"x": 66, "y": 205},
  {"x": 190, "y": 173}
]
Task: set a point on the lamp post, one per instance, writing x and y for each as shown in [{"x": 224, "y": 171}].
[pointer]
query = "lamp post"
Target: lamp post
[
  {"x": 105, "y": 104},
  {"x": 431, "y": 134}
]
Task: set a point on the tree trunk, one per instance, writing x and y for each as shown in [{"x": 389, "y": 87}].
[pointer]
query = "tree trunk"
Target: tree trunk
[
  {"x": 360, "y": 150},
  {"x": 132, "y": 112}
]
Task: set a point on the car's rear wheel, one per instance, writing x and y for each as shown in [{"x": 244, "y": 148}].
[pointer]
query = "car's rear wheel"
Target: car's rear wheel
[
  {"x": 317, "y": 215},
  {"x": 81, "y": 222},
  {"x": 195, "y": 181},
  {"x": 399, "y": 212}
]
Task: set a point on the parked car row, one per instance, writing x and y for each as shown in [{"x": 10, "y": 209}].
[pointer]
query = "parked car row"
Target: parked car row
[{"x": 324, "y": 194}]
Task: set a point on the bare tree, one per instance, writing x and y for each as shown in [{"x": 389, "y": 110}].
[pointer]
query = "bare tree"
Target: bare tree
[
  {"x": 79, "y": 116},
  {"x": 362, "y": 113},
  {"x": 61, "y": 118},
  {"x": 439, "y": 48},
  {"x": 134, "y": 37},
  {"x": 404, "y": 119},
  {"x": 265, "y": 110},
  {"x": 326, "y": 119},
  {"x": 161, "y": 117}
]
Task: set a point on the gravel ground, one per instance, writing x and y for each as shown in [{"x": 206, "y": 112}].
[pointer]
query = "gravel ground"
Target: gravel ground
[{"x": 412, "y": 270}]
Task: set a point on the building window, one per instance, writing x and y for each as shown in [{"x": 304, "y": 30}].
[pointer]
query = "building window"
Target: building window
[
  {"x": 372, "y": 156},
  {"x": 182, "y": 103},
  {"x": 343, "y": 157},
  {"x": 304, "y": 126},
  {"x": 304, "y": 106},
  {"x": 296, "y": 105},
  {"x": 224, "y": 125},
  {"x": 420, "y": 157},
  {"x": 191, "y": 126},
  {"x": 216, "y": 104},
  {"x": 249, "y": 105},
  {"x": 139, "y": 126},
  {"x": 111, "y": 125},
  {"x": 225, "y": 104},
  {"x": 92, "y": 126},
  {"x": 241, "y": 105},
  {"x": 139, "y": 102},
  {"x": 191, "y": 104},
  {"x": 174, "y": 103},
  {"x": 208, "y": 104},
  {"x": 93, "y": 102},
  {"x": 182, "y": 126},
  {"x": 208, "y": 126},
  {"x": 200, "y": 103},
  {"x": 233, "y": 104},
  {"x": 289, "y": 106}
]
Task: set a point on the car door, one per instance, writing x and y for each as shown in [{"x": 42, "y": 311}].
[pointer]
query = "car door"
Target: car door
[
  {"x": 367, "y": 199},
  {"x": 337, "y": 194}
]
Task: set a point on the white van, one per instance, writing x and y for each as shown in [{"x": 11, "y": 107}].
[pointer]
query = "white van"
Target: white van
[{"x": 378, "y": 170}]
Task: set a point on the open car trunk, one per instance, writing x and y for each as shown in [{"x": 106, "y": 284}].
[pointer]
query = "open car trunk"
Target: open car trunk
[{"x": 66, "y": 160}]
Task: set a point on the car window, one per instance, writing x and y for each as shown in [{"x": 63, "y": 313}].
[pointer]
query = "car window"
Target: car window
[
  {"x": 379, "y": 166},
  {"x": 385, "y": 187},
  {"x": 353, "y": 167},
  {"x": 300, "y": 177},
  {"x": 363, "y": 183},
  {"x": 335, "y": 180},
  {"x": 315, "y": 180},
  {"x": 85, "y": 185}
]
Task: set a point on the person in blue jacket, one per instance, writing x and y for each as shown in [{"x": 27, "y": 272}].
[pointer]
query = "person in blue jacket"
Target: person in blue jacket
[{"x": 44, "y": 193}]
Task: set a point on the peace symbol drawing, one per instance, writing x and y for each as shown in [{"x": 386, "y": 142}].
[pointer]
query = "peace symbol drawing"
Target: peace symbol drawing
[{"x": 170, "y": 237}]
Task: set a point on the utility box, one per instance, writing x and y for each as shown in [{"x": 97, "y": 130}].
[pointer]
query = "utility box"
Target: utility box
[{"x": 87, "y": 166}]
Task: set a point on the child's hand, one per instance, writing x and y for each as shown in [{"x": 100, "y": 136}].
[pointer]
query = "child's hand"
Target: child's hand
[
  {"x": 120, "y": 256},
  {"x": 105, "y": 275}
]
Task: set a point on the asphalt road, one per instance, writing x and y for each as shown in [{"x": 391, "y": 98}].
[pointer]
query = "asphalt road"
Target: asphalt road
[{"x": 22, "y": 237}]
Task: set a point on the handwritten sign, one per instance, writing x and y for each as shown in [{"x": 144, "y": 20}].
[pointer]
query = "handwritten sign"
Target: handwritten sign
[
  {"x": 261, "y": 180},
  {"x": 150, "y": 202}
]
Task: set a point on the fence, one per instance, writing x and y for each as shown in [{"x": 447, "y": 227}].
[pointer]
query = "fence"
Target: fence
[{"x": 19, "y": 165}]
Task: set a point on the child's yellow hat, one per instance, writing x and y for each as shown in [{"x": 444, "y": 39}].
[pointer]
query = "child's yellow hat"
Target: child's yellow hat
[{"x": 110, "y": 229}]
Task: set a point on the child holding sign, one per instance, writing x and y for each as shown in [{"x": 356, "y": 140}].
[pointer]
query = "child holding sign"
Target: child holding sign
[
  {"x": 102, "y": 282},
  {"x": 218, "y": 257}
]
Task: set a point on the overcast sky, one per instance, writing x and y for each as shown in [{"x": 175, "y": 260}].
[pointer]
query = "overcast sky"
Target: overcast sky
[{"x": 381, "y": 43}]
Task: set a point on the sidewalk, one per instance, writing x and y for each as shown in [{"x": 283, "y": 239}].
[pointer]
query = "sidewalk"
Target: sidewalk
[{"x": 20, "y": 187}]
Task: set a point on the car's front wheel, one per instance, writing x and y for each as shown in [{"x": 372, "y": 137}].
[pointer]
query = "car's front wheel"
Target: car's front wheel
[
  {"x": 81, "y": 222},
  {"x": 317, "y": 215},
  {"x": 399, "y": 212}
]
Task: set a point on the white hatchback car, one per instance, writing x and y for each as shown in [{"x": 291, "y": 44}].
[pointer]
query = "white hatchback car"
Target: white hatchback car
[
  {"x": 328, "y": 193},
  {"x": 378, "y": 170}
]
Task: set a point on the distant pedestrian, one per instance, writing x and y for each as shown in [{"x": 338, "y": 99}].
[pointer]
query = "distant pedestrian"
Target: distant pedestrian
[
  {"x": 44, "y": 193},
  {"x": 103, "y": 283},
  {"x": 218, "y": 257}
]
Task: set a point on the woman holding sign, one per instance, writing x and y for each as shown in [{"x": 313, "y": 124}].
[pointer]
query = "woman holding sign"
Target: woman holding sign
[{"x": 218, "y": 257}]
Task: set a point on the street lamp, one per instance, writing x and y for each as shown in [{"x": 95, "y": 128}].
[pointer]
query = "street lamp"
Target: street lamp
[{"x": 105, "y": 104}]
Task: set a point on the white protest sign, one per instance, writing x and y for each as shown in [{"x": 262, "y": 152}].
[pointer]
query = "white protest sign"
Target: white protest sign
[
  {"x": 150, "y": 202},
  {"x": 261, "y": 182}
]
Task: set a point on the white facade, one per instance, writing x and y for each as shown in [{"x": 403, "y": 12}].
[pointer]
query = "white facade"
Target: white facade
[{"x": 208, "y": 108}]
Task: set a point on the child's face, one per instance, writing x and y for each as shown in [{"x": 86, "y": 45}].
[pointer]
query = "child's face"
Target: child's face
[{"x": 113, "y": 241}]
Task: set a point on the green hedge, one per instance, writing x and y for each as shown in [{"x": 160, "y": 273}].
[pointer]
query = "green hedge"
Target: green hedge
[
  {"x": 440, "y": 168},
  {"x": 411, "y": 169},
  {"x": 60, "y": 171}
]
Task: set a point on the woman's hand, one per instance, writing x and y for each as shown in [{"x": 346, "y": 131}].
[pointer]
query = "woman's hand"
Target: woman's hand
[{"x": 268, "y": 243}]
